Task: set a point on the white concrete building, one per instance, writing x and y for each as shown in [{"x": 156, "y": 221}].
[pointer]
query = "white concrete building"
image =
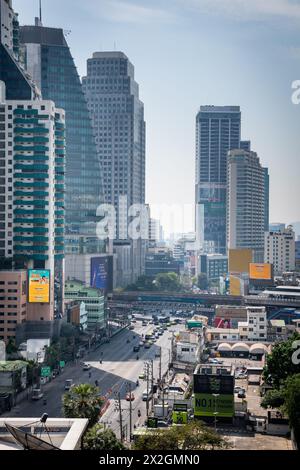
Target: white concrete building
[
  {"x": 255, "y": 328},
  {"x": 280, "y": 250},
  {"x": 246, "y": 195}
]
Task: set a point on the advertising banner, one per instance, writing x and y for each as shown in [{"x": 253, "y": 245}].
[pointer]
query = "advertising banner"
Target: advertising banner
[
  {"x": 206, "y": 404},
  {"x": 101, "y": 272},
  {"x": 39, "y": 286},
  {"x": 179, "y": 417},
  {"x": 260, "y": 271}
]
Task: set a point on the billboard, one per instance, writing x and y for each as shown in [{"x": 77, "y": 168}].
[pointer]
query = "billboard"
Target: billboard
[
  {"x": 39, "y": 286},
  {"x": 261, "y": 271},
  {"x": 206, "y": 404},
  {"x": 239, "y": 260},
  {"x": 101, "y": 273}
]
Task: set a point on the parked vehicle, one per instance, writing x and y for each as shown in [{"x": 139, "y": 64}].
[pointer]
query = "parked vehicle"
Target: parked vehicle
[
  {"x": 136, "y": 349},
  {"x": 238, "y": 389},
  {"x": 147, "y": 395},
  {"x": 129, "y": 397},
  {"x": 241, "y": 394},
  {"x": 86, "y": 366},
  {"x": 68, "y": 384},
  {"x": 37, "y": 394}
]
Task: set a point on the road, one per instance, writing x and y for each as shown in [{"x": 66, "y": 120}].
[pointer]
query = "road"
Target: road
[{"x": 119, "y": 368}]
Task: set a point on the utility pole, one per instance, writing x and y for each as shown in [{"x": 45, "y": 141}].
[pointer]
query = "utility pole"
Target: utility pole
[
  {"x": 152, "y": 380},
  {"x": 147, "y": 377},
  {"x": 118, "y": 408},
  {"x": 130, "y": 412},
  {"x": 160, "y": 367}
]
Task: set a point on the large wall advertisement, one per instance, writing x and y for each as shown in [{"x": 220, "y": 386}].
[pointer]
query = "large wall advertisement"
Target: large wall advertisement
[
  {"x": 214, "y": 394},
  {"x": 39, "y": 286},
  {"x": 260, "y": 271},
  {"x": 101, "y": 273}
]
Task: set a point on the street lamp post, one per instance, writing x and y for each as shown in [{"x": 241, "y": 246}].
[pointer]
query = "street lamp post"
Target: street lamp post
[{"x": 216, "y": 395}]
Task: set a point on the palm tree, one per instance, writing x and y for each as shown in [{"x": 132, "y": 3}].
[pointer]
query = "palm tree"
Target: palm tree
[{"x": 83, "y": 401}]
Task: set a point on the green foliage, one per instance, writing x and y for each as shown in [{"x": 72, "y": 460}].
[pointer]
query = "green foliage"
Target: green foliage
[
  {"x": 279, "y": 365},
  {"x": 83, "y": 401},
  {"x": 292, "y": 402},
  {"x": 169, "y": 282},
  {"x": 192, "y": 436},
  {"x": 202, "y": 281},
  {"x": 11, "y": 346},
  {"x": 273, "y": 399},
  {"x": 98, "y": 438},
  {"x": 52, "y": 356}
]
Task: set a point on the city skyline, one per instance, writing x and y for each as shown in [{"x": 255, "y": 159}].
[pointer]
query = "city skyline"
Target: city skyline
[{"x": 260, "y": 84}]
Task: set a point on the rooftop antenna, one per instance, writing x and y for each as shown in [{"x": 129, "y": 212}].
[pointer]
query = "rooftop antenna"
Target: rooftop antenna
[{"x": 41, "y": 11}]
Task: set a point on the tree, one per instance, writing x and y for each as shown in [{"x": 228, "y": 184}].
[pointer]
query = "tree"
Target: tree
[
  {"x": 273, "y": 399},
  {"x": 11, "y": 346},
  {"x": 83, "y": 401},
  {"x": 52, "y": 355},
  {"x": 168, "y": 282},
  {"x": 292, "y": 402},
  {"x": 279, "y": 364},
  {"x": 202, "y": 281},
  {"x": 98, "y": 438},
  {"x": 192, "y": 436}
]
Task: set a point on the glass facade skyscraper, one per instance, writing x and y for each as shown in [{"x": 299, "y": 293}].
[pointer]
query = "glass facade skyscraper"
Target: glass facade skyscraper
[
  {"x": 218, "y": 130},
  {"x": 118, "y": 119},
  {"x": 49, "y": 61},
  {"x": 18, "y": 85}
]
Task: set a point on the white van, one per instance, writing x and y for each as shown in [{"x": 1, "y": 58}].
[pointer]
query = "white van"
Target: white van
[
  {"x": 147, "y": 395},
  {"x": 37, "y": 394}
]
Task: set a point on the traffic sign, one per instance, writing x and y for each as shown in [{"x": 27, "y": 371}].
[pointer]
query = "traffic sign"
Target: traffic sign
[{"x": 45, "y": 371}]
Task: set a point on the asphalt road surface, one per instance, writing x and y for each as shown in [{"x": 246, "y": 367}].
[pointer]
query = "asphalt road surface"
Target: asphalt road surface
[{"x": 119, "y": 368}]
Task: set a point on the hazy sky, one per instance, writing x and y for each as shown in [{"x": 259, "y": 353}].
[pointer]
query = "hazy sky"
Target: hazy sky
[{"x": 188, "y": 53}]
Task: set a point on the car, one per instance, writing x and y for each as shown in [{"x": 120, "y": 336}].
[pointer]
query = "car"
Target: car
[
  {"x": 136, "y": 349},
  {"x": 241, "y": 394},
  {"x": 241, "y": 376},
  {"x": 147, "y": 345},
  {"x": 141, "y": 344},
  {"x": 238, "y": 389},
  {"x": 142, "y": 376},
  {"x": 86, "y": 366},
  {"x": 37, "y": 394},
  {"x": 157, "y": 353},
  {"x": 131, "y": 327},
  {"x": 68, "y": 384},
  {"x": 129, "y": 397}
]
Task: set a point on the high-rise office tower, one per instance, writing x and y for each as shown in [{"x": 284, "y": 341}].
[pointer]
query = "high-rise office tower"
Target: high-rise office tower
[
  {"x": 118, "y": 118},
  {"x": 245, "y": 203},
  {"x": 267, "y": 197},
  {"x": 19, "y": 85},
  {"x": 48, "y": 60},
  {"x": 32, "y": 164},
  {"x": 218, "y": 130}
]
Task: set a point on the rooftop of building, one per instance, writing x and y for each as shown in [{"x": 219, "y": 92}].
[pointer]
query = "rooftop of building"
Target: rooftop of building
[
  {"x": 277, "y": 323},
  {"x": 10, "y": 366},
  {"x": 109, "y": 54},
  {"x": 63, "y": 433},
  {"x": 214, "y": 369},
  {"x": 219, "y": 109},
  {"x": 42, "y": 35},
  {"x": 79, "y": 287}
]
